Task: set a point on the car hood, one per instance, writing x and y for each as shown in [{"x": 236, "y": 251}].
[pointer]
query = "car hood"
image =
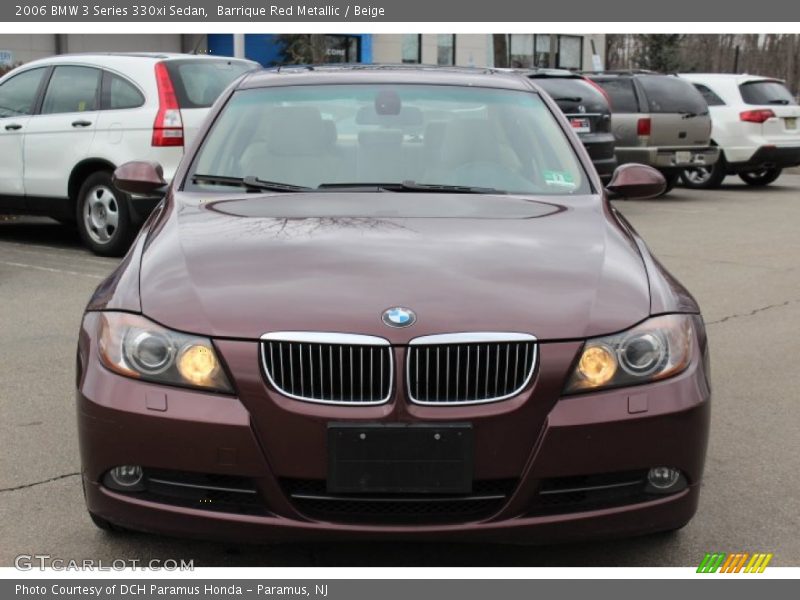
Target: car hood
[{"x": 241, "y": 267}]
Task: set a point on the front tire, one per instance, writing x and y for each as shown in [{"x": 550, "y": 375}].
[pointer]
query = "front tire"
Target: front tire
[
  {"x": 103, "y": 218},
  {"x": 761, "y": 177}
]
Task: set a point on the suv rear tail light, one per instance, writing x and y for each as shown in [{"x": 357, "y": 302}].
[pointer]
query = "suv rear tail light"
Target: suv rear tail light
[
  {"x": 756, "y": 116},
  {"x": 168, "y": 126},
  {"x": 643, "y": 126}
]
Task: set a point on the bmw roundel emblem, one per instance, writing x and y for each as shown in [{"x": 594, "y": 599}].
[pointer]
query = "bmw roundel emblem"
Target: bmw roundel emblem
[{"x": 398, "y": 316}]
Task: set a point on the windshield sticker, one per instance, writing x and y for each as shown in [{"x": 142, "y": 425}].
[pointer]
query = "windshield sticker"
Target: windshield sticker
[{"x": 560, "y": 179}]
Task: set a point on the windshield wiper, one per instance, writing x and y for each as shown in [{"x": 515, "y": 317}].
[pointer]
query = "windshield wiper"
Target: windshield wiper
[
  {"x": 569, "y": 99},
  {"x": 778, "y": 101},
  {"x": 250, "y": 183},
  {"x": 412, "y": 186},
  {"x": 692, "y": 115}
]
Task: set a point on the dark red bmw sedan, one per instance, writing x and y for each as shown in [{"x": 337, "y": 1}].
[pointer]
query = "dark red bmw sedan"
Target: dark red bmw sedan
[{"x": 390, "y": 303}]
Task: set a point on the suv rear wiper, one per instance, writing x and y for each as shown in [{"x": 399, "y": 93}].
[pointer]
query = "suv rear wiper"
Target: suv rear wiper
[
  {"x": 692, "y": 115},
  {"x": 778, "y": 101},
  {"x": 413, "y": 186},
  {"x": 250, "y": 183},
  {"x": 569, "y": 99}
]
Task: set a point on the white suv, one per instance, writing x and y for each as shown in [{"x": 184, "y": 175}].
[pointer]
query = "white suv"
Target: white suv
[
  {"x": 755, "y": 123},
  {"x": 66, "y": 122}
]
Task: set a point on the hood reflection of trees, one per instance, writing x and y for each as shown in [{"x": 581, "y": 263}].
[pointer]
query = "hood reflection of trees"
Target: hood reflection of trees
[{"x": 223, "y": 226}]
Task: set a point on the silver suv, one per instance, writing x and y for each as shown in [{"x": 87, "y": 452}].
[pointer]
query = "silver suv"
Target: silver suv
[{"x": 658, "y": 120}]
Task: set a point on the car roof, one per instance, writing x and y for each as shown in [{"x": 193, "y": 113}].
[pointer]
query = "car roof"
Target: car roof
[
  {"x": 400, "y": 74},
  {"x": 737, "y": 77},
  {"x": 121, "y": 57},
  {"x": 550, "y": 73},
  {"x": 623, "y": 73}
]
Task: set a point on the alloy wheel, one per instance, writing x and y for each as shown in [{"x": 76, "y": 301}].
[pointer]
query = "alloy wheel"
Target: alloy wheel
[{"x": 101, "y": 214}]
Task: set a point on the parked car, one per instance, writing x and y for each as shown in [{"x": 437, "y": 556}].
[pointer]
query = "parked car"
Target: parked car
[
  {"x": 586, "y": 106},
  {"x": 66, "y": 122},
  {"x": 755, "y": 124},
  {"x": 658, "y": 120},
  {"x": 382, "y": 334}
]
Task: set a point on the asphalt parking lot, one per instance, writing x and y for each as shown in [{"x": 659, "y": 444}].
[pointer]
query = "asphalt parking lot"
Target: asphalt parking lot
[{"x": 736, "y": 249}]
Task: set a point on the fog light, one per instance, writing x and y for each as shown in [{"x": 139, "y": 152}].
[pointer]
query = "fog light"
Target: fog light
[
  {"x": 664, "y": 479},
  {"x": 125, "y": 478}
]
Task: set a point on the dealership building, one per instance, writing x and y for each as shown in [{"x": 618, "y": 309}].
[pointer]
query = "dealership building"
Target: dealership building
[{"x": 566, "y": 51}]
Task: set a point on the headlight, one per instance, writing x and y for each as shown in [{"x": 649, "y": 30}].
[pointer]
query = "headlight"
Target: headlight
[
  {"x": 655, "y": 349},
  {"x": 136, "y": 347}
]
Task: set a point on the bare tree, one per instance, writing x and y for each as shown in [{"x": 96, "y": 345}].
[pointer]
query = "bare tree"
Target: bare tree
[
  {"x": 6, "y": 68},
  {"x": 302, "y": 49},
  {"x": 771, "y": 55}
]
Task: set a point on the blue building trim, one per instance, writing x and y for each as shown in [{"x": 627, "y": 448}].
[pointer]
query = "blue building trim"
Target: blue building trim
[
  {"x": 265, "y": 49},
  {"x": 366, "y": 48}
]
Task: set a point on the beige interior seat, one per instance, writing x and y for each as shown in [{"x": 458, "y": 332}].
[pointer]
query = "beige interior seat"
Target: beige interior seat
[{"x": 295, "y": 145}]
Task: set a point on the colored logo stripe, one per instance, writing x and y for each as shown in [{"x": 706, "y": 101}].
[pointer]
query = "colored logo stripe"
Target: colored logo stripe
[
  {"x": 758, "y": 563},
  {"x": 711, "y": 562},
  {"x": 734, "y": 563}
]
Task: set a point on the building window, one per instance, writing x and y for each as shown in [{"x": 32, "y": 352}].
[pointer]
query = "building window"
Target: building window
[
  {"x": 342, "y": 49},
  {"x": 445, "y": 49},
  {"x": 412, "y": 48},
  {"x": 526, "y": 50},
  {"x": 541, "y": 57},
  {"x": 520, "y": 48},
  {"x": 570, "y": 51}
]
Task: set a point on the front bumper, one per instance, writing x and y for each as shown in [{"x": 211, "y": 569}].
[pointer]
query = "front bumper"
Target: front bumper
[
  {"x": 123, "y": 421},
  {"x": 669, "y": 157}
]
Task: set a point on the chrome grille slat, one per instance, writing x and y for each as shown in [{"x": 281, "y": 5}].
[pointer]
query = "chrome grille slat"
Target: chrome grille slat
[
  {"x": 495, "y": 366},
  {"x": 332, "y": 368},
  {"x": 508, "y": 356}
]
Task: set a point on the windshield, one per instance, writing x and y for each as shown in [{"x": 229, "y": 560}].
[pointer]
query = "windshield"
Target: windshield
[
  {"x": 415, "y": 135},
  {"x": 573, "y": 91}
]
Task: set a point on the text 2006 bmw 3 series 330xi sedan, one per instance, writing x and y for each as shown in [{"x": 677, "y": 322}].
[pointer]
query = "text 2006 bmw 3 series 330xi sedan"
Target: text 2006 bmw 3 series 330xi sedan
[{"x": 391, "y": 303}]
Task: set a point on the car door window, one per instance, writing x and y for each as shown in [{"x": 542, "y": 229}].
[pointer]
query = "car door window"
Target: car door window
[
  {"x": 122, "y": 94},
  {"x": 711, "y": 98},
  {"x": 18, "y": 94},
  {"x": 72, "y": 90}
]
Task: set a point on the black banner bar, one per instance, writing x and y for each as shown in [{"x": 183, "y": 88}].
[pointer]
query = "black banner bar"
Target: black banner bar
[
  {"x": 728, "y": 587},
  {"x": 441, "y": 11}
]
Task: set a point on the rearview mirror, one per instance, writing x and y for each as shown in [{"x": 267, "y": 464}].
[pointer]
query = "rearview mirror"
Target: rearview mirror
[
  {"x": 140, "y": 178},
  {"x": 636, "y": 182}
]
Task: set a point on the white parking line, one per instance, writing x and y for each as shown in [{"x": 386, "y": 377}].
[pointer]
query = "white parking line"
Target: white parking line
[
  {"x": 50, "y": 269},
  {"x": 55, "y": 251}
]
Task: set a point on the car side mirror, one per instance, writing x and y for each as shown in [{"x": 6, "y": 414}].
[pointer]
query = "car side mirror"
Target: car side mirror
[
  {"x": 636, "y": 182},
  {"x": 141, "y": 178}
]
